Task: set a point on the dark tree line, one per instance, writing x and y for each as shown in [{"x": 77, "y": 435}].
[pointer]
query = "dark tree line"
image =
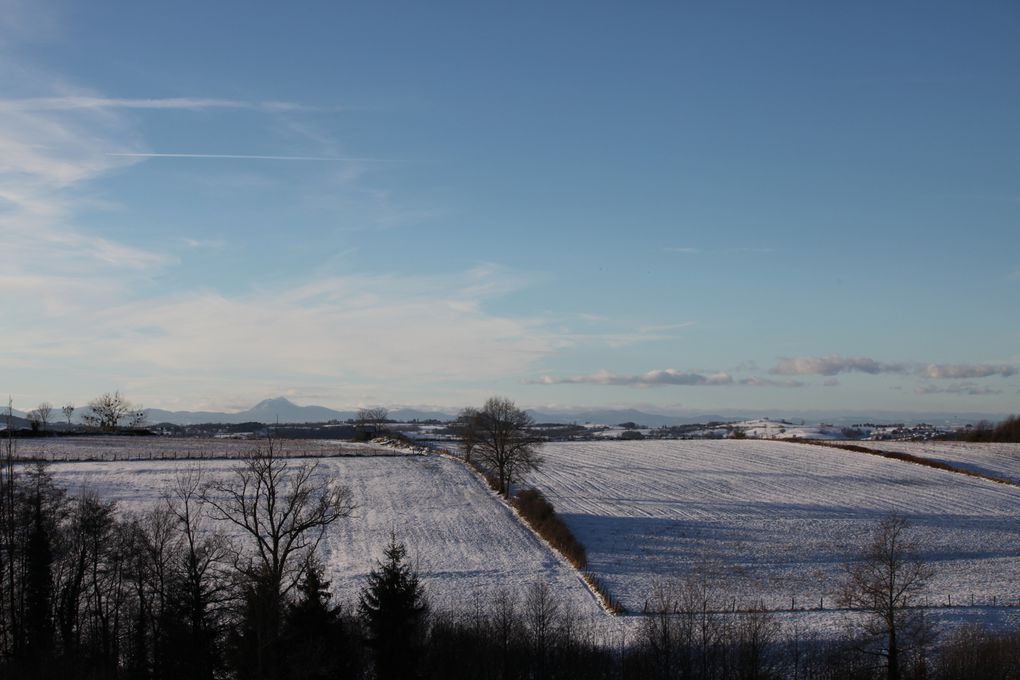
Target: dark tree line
[
  {"x": 1006, "y": 431},
  {"x": 88, "y": 592}
]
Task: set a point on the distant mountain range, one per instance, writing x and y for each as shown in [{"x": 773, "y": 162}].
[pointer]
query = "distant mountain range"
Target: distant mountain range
[
  {"x": 618, "y": 416},
  {"x": 282, "y": 410}
]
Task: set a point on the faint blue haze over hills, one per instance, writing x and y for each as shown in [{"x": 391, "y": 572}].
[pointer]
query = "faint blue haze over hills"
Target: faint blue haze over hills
[{"x": 282, "y": 410}]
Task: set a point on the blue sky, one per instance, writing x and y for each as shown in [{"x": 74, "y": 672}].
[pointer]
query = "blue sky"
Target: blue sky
[{"x": 675, "y": 206}]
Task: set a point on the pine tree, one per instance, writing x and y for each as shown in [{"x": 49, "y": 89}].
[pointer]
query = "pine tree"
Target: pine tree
[
  {"x": 41, "y": 502},
  {"x": 314, "y": 638},
  {"x": 255, "y": 641},
  {"x": 393, "y": 606},
  {"x": 38, "y": 590}
]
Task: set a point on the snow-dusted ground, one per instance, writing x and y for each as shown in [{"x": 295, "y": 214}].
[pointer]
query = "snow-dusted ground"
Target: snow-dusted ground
[
  {"x": 997, "y": 460},
  {"x": 758, "y": 428},
  {"x": 763, "y": 428},
  {"x": 769, "y": 521},
  {"x": 465, "y": 541},
  {"x": 773, "y": 521},
  {"x": 173, "y": 448}
]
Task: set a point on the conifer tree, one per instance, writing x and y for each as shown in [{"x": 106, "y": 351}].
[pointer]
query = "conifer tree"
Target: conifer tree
[
  {"x": 41, "y": 502},
  {"x": 393, "y": 606},
  {"x": 314, "y": 638},
  {"x": 38, "y": 590}
]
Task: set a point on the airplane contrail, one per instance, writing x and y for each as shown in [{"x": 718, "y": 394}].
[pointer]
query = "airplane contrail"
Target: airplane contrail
[{"x": 232, "y": 156}]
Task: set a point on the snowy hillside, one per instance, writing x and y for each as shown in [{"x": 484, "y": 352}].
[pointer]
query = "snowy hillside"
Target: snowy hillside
[
  {"x": 772, "y": 520},
  {"x": 464, "y": 540},
  {"x": 997, "y": 460}
]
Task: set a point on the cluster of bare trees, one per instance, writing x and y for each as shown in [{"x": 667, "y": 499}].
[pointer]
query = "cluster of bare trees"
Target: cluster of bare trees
[
  {"x": 87, "y": 592},
  {"x": 886, "y": 583},
  {"x": 685, "y": 636},
  {"x": 689, "y": 631},
  {"x": 40, "y": 416},
  {"x": 1006, "y": 431},
  {"x": 108, "y": 412},
  {"x": 371, "y": 422}
]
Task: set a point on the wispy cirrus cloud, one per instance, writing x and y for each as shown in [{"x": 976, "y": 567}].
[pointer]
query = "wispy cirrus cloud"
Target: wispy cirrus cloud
[
  {"x": 766, "y": 382},
  {"x": 363, "y": 332},
  {"x": 965, "y": 389},
  {"x": 204, "y": 243},
  {"x": 624, "y": 338},
  {"x": 96, "y": 103},
  {"x": 657, "y": 378},
  {"x": 835, "y": 364},
  {"x": 686, "y": 250},
  {"x": 255, "y": 157},
  {"x": 46, "y": 159},
  {"x": 966, "y": 371},
  {"x": 664, "y": 378},
  {"x": 661, "y": 328}
]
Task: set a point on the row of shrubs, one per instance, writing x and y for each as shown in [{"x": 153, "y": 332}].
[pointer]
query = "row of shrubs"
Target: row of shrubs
[{"x": 541, "y": 516}]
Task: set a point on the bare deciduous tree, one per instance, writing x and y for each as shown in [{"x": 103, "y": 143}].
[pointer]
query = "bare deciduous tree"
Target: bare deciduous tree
[
  {"x": 883, "y": 583},
  {"x": 500, "y": 436},
  {"x": 372, "y": 419},
  {"x": 68, "y": 410},
  {"x": 464, "y": 427},
  {"x": 284, "y": 509},
  {"x": 682, "y": 630},
  {"x": 202, "y": 588},
  {"x": 44, "y": 410},
  {"x": 109, "y": 412},
  {"x": 541, "y": 617}
]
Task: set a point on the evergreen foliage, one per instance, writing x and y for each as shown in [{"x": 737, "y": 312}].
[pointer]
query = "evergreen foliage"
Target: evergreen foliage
[
  {"x": 315, "y": 639},
  {"x": 38, "y": 591},
  {"x": 393, "y": 607}
]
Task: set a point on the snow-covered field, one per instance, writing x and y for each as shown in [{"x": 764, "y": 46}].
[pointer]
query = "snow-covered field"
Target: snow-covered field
[
  {"x": 465, "y": 541},
  {"x": 767, "y": 521},
  {"x": 173, "y": 448},
  {"x": 997, "y": 460},
  {"x": 773, "y": 521}
]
